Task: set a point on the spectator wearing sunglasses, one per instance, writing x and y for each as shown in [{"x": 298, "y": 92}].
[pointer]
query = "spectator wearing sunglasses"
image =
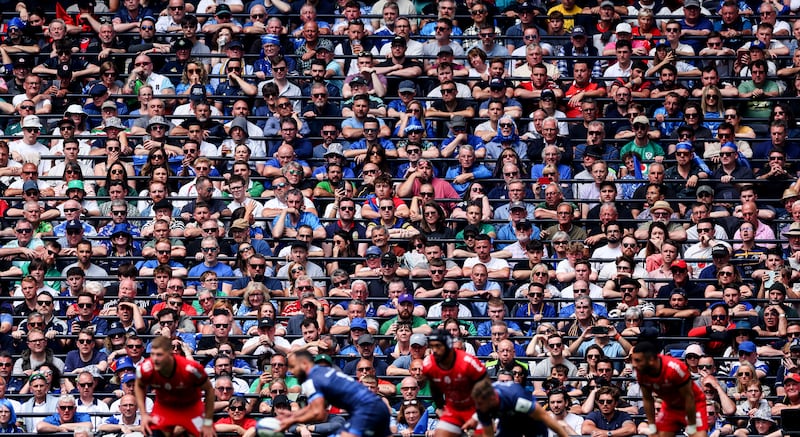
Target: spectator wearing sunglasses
[{"x": 65, "y": 419}]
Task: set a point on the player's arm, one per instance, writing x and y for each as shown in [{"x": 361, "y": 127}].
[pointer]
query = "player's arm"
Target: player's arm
[
  {"x": 437, "y": 397},
  {"x": 649, "y": 404},
  {"x": 541, "y": 415},
  {"x": 315, "y": 411},
  {"x": 689, "y": 404},
  {"x": 208, "y": 419}
]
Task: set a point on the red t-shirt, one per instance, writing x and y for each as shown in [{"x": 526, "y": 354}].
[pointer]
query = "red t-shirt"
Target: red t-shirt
[
  {"x": 456, "y": 383},
  {"x": 182, "y": 388}
]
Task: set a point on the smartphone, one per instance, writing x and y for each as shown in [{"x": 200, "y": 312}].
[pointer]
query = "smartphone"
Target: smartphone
[
  {"x": 585, "y": 367},
  {"x": 57, "y": 83},
  {"x": 544, "y": 182},
  {"x": 599, "y": 330},
  {"x": 268, "y": 368}
]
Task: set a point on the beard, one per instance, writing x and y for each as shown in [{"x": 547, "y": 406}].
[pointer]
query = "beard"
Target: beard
[{"x": 301, "y": 376}]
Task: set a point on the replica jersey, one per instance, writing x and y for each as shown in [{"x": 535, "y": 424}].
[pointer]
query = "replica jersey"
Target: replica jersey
[
  {"x": 339, "y": 390},
  {"x": 182, "y": 388},
  {"x": 674, "y": 374},
  {"x": 456, "y": 383},
  {"x": 514, "y": 410}
]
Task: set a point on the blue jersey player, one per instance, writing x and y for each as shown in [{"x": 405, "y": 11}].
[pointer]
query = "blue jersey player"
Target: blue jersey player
[
  {"x": 369, "y": 416},
  {"x": 517, "y": 410}
]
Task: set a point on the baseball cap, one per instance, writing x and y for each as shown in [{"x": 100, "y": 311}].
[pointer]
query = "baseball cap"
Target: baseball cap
[
  {"x": 197, "y": 93},
  {"x": 705, "y": 189},
  {"x": 547, "y": 95},
  {"x": 124, "y": 363},
  {"x": 266, "y": 322},
  {"x": 128, "y": 377},
  {"x": 578, "y": 31},
  {"x": 30, "y": 185},
  {"x": 389, "y": 258},
  {"x": 497, "y": 84},
  {"x": 240, "y": 224},
  {"x": 399, "y": 41},
  {"x": 450, "y": 302},
  {"x": 419, "y": 340},
  {"x": 691, "y": 3},
  {"x": 373, "y": 250},
  {"x": 322, "y": 358},
  {"x": 795, "y": 345},
  {"x": 75, "y": 185},
  {"x": 406, "y": 86},
  {"x": 98, "y": 90},
  {"x": 747, "y": 346},
  {"x": 108, "y": 104},
  {"x": 516, "y": 205},
  {"x": 64, "y": 71},
  {"x": 162, "y": 204},
  {"x": 458, "y": 121},
  {"x": 234, "y": 43},
  {"x": 182, "y": 44},
  {"x": 74, "y": 224},
  {"x": 358, "y": 323},
  {"x": 365, "y": 339},
  {"x": 446, "y": 50},
  {"x": 679, "y": 264},
  {"x": 623, "y": 27},
  {"x": 720, "y": 250},
  {"x": 22, "y": 62},
  {"x": 334, "y": 149},
  {"x": 324, "y": 44},
  {"x": 223, "y": 9},
  {"x": 406, "y": 298},
  {"x": 358, "y": 80},
  {"x": 641, "y": 119},
  {"x": 792, "y": 377},
  {"x": 694, "y": 349}
]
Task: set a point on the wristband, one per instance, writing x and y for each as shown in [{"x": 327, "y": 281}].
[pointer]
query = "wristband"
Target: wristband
[
  {"x": 691, "y": 429},
  {"x": 651, "y": 429},
  {"x": 208, "y": 422}
]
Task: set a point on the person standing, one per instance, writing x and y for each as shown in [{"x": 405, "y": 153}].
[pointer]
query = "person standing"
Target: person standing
[{"x": 178, "y": 383}]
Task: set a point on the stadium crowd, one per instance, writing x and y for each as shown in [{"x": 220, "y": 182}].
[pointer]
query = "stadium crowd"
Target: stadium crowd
[{"x": 547, "y": 181}]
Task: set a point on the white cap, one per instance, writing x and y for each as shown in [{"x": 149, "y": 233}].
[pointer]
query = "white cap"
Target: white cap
[{"x": 624, "y": 28}]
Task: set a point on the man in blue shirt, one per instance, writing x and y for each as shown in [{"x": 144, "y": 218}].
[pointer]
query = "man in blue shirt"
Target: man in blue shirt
[{"x": 66, "y": 419}]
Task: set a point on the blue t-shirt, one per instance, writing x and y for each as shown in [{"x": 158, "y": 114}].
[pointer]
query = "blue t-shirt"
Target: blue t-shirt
[{"x": 55, "y": 419}]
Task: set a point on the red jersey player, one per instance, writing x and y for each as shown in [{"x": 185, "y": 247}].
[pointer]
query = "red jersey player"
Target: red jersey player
[
  {"x": 452, "y": 373},
  {"x": 178, "y": 383},
  {"x": 683, "y": 402}
]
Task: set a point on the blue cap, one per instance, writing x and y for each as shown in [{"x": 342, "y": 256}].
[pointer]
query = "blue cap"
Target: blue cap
[
  {"x": 406, "y": 298},
  {"x": 16, "y": 22},
  {"x": 128, "y": 378},
  {"x": 413, "y": 125},
  {"x": 125, "y": 363},
  {"x": 121, "y": 228},
  {"x": 74, "y": 224},
  {"x": 684, "y": 145},
  {"x": 747, "y": 346},
  {"x": 374, "y": 250},
  {"x": 358, "y": 323}
]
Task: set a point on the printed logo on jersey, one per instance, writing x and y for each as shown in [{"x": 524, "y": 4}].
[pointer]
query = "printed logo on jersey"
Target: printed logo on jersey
[
  {"x": 523, "y": 406},
  {"x": 677, "y": 368}
]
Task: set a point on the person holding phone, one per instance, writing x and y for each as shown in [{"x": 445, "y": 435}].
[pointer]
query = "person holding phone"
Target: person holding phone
[{"x": 604, "y": 334}]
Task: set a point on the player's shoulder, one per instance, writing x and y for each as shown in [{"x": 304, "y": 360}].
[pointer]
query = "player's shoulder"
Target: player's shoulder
[
  {"x": 145, "y": 369},
  {"x": 470, "y": 361},
  {"x": 428, "y": 363}
]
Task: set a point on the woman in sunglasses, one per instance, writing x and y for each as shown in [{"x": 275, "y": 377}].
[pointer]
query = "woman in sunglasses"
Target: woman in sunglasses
[{"x": 238, "y": 420}]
